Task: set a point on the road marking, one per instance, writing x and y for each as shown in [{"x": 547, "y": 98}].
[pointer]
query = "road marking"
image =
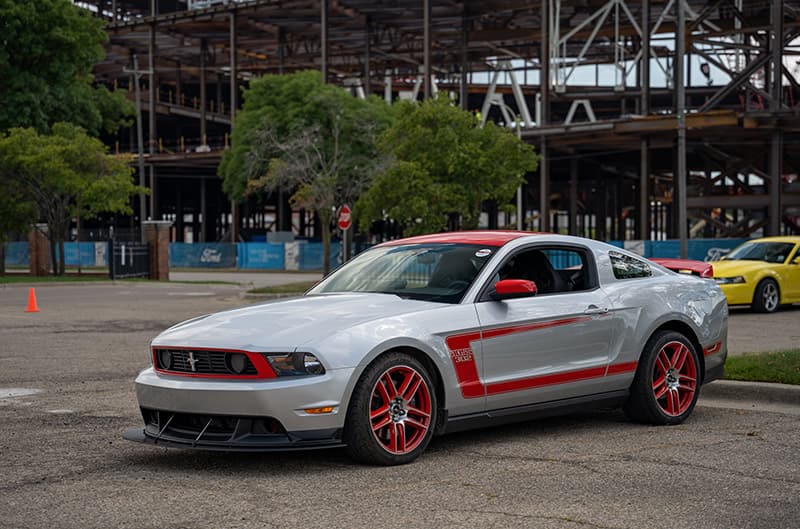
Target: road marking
[{"x": 11, "y": 393}]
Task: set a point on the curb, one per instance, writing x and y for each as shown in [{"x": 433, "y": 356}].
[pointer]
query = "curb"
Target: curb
[{"x": 752, "y": 391}]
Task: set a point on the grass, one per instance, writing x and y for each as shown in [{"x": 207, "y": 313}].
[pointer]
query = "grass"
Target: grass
[
  {"x": 290, "y": 288},
  {"x": 782, "y": 367}
]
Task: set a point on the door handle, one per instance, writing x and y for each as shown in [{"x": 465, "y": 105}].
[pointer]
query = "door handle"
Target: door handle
[{"x": 594, "y": 309}]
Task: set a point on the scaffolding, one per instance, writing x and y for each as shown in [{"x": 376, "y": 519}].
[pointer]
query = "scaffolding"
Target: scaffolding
[{"x": 654, "y": 119}]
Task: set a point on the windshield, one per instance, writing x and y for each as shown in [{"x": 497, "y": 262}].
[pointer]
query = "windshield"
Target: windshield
[
  {"x": 771, "y": 252},
  {"x": 430, "y": 272}
]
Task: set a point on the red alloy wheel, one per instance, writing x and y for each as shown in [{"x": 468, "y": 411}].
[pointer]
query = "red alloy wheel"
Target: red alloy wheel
[
  {"x": 400, "y": 410},
  {"x": 674, "y": 378}
]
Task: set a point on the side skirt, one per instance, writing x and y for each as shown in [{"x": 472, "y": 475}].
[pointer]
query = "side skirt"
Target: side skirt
[{"x": 534, "y": 411}]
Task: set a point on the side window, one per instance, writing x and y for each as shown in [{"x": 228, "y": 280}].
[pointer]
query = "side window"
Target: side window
[
  {"x": 552, "y": 269},
  {"x": 626, "y": 267}
]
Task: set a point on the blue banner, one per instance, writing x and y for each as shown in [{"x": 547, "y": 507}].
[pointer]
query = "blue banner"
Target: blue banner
[
  {"x": 261, "y": 256},
  {"x": 202, "y": 255},
  {"x": 17, "y": 254},
  {"x": 79, "y": 254},
  {"x": 310, "y": 257}
]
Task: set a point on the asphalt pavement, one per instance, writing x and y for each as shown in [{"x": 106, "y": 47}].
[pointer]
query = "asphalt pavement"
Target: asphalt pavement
[{"x": 66, "y": 396}]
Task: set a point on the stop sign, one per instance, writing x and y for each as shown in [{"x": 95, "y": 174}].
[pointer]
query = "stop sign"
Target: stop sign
[{"x": 344, "y": 220}]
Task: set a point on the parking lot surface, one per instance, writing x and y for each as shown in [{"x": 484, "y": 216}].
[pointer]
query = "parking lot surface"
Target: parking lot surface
[{"x": 66, "y": 396}]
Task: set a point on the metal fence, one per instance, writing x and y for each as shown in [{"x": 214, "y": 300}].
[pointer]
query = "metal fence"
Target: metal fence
[{"x": 128, "y": 259}]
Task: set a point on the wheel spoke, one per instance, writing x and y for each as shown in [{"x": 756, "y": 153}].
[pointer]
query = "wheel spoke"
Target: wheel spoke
[
  {"x": 410, "y": 392},
  {"x": 660, "y": 393},
  {"x": 417, "y": 411},
  {"x": 389, "y": 385},
  {"x": 673, "y": 401},
  {"x": 680, "y": 357},
  {"x": 408, "y": 382},
  {"x": 660, "y": 381},
  {"x": 380, "y": 424},
  {"x": 374, "y": 414},
  {"x": 663, "y": 361},
  {"x": 397, "y": 437},
  {"x": 687, "y": 378},
  {"x": 383, "y": 393},
  {"x": 415, "y": 424}
]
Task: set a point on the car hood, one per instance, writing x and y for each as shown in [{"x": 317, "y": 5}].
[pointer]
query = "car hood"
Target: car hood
[
  {"x": 287, "y": 324},
  {"x": 738, "y": 267}
]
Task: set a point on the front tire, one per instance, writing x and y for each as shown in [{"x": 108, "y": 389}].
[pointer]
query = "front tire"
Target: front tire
[
  {"x": 767, "y": 296},
  {"x": 667, "y": 380},
  {"x": 392, "y": 413}
]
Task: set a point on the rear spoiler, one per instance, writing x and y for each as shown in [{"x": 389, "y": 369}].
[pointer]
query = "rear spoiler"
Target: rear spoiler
[{"x": 687, "y": 266}]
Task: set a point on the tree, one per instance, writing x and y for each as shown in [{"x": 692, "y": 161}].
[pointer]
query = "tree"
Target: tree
[
  {"x": 47, "y": 50},
  {"x": 443, "y": 163},
  {"x": 312, "y": 139},
  {"x": 66, "y": 174},
  {"x": 17, "y": 212}
]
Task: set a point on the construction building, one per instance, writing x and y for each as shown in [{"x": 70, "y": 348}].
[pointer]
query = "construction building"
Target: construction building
[{"x": 654, "y": 118}]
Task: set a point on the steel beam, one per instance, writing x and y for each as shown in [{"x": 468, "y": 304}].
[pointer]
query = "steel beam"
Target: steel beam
[
  {"x": 234, "y": 88},
  {"x": 573, "y": 196},
  {"x": 463, "y": 89},
  {"x": 323, "y": 22},
  {"x": 544, "y": 90},
  {"x": 680, "y": 108},
  {"x": 367, "y": 58},
  {"x": 426, "y": 7},
  {"x": 203, "y": 52},
  {"x": 775, "y": 212}
]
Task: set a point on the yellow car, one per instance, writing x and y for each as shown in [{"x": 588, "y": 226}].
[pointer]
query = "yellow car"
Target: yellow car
[{"x": 763, "y": 273}]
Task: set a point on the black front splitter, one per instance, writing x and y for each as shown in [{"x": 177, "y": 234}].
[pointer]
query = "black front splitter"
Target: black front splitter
[{"x": 291, "y": 443}]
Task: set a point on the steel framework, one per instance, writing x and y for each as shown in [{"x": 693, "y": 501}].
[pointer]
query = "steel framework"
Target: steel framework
[{"x": 654, "y": 118}]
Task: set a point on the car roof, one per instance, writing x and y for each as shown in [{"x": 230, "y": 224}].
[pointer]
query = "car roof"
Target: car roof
[
  {"x": 784, "y": 238},
  {"x": 494, "y": 238}
]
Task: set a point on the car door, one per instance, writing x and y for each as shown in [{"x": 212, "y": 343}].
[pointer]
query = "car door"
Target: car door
[
  {"x": 551, "y": 346},
  {"x": 792, "y": 275}
]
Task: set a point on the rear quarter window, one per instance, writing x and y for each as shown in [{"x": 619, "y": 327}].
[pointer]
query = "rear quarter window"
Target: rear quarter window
[{"x": 626, "y": 267}]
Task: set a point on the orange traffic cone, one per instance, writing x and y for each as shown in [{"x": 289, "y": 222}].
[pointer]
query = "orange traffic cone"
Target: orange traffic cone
[{"x": 32, "y": 306}]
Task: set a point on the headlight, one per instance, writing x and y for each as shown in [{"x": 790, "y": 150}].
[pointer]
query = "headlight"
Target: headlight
[
  {"x": 729, "y": 280},
  {"x": 294, "y": 364}
]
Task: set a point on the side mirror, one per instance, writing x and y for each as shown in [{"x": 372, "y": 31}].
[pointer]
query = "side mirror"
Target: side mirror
[
  {"x": 513, "y": 288},
  {"x": 796, "y": 260}
]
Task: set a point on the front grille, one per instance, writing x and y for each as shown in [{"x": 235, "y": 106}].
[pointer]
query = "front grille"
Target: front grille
[{"x": 205, "y": 362}]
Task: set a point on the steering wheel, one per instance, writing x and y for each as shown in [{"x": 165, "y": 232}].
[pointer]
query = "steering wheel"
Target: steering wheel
[{"x": 458, "y": 284}]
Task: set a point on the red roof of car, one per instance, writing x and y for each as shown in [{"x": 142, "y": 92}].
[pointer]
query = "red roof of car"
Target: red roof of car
[{"x": 495, "y": 238}]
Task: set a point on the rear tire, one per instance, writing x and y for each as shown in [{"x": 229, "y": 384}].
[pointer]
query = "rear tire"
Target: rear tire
[
  {"x": 667, "y": 380},
  {"x": 392, "y": 412},
  {"x": 767, "y": 296}
]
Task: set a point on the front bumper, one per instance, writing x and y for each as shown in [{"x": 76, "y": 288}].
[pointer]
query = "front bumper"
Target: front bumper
[
  {"x": 738, "y": 294},
  {"x": 240, "y": 408}
]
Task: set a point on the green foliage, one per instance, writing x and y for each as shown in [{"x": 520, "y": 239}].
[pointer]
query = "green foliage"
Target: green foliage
[
  {"x": 47, "y": 49},
  {"x": 66, "y": 174},
  {"x": 312, "y": 139},
  {"x": 443, "y": 164}
]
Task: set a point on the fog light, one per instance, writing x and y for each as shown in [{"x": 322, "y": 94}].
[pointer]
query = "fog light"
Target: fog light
[
  {"x": 165, "y": 359},
  {"x": 237, "y": 363}
]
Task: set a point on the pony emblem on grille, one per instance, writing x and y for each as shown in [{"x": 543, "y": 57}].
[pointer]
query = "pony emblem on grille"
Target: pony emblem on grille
[{"x": 192, "y": 361}]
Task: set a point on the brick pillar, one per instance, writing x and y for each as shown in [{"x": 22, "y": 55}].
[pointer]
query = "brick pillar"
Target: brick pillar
[
  {"x": 39, "y": 251},
  {"x": 156, "y": 233}
]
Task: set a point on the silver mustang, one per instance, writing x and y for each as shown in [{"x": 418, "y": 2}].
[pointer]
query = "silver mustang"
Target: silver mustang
[{"x": 433, "y": 334}]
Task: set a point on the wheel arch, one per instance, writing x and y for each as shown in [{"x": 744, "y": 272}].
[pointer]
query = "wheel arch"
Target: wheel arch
[
  {"x": 686, "y": 330},
  {"x": 423, "y": 357}
]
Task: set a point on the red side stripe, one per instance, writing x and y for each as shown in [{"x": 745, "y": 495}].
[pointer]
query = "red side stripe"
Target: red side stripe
[
  {"x": 463, "y": 358},
  {"x": 625, "y": 367},
  {"x": 545, "y": 380}
]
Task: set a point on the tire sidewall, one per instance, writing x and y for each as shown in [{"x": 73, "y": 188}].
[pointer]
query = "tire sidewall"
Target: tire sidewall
[{"x": 358, "y": 427}]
